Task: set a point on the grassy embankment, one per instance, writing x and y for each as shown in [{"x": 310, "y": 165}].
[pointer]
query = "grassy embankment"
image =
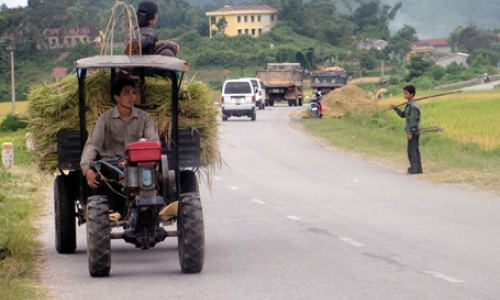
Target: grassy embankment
[
  {"x": 466, "y": 154},
  {"x": 21, "y": 200}
]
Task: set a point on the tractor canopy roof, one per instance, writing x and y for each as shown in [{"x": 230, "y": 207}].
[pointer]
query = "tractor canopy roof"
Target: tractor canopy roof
[{"x": 133, "y": 61}]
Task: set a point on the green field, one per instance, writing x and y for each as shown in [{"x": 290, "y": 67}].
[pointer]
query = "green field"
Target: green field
[{"x": 6, "y": 108}]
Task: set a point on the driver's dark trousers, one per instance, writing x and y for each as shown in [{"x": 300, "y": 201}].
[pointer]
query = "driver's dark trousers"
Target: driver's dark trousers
[{"x": 116, "y": 202}]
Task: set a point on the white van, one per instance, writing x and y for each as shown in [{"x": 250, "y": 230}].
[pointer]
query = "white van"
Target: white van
[
  {"x": 260, "y": 93},
  {"x": 238, "y": 99}
]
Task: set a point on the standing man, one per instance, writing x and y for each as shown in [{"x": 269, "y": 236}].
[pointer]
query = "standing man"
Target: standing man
[
  {"x": 109, "y": 138},
  {"x": 412, "y": 116}
]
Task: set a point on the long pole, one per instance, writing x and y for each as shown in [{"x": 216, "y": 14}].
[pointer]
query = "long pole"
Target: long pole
[
  {"x": 13, "y": 81},
  {"x": 423, "y": 98}
]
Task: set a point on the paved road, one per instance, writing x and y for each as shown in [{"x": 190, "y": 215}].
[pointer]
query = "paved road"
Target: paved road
[
  {"x": 291, "y": 220},
  {"x": 479, "y": 87}
]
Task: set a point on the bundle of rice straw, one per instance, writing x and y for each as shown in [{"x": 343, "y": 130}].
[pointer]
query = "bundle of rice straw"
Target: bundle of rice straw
[
  {"x": 54, "y": 107},
  {"x": 348, "y": 98}
]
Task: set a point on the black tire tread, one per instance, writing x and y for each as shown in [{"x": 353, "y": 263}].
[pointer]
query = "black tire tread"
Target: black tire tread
[
  {"x": 65, "y": 217},
  {"x": 191, "y": 237},
  {"x": 98, "y": 236}
]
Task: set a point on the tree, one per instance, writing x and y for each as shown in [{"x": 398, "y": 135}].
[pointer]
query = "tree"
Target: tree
[
  {"x": 418, "y": 66},
  {"x": 371, "y": 15},
  {"x": 221, "y": 25},
  {"x": 319, "y": 19}
]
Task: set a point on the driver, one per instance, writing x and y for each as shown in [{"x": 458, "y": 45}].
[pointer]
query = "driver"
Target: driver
[{"x": 114, "y": 130}]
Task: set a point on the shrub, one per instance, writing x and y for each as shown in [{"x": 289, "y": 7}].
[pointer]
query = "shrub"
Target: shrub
[{"x": 13, "y": 123}]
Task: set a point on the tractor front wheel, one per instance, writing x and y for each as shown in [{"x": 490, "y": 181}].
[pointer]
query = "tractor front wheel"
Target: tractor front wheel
[
  {"x": 98, "y": 236},
  {"x": 191, "y": 237}
]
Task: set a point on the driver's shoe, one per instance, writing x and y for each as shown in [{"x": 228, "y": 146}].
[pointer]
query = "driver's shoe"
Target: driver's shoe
[{"x": 115, "y": 216}]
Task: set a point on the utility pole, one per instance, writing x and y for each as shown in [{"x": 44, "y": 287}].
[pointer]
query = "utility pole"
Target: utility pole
[
  {"x": 382, "y": 70},
  {"x": 13, "y": 80}
]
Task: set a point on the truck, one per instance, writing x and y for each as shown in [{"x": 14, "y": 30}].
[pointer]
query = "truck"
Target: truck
[
  {"x": 328, "y": 79},
  {"x": 283, "y": 82}
]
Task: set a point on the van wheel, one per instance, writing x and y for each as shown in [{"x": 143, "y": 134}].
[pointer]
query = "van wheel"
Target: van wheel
[
  {"x": 254, "y": 117},
  {"x": 267, "y": 103},
  {"x": 224, "y": 118},
  {"x": 271, "y": 102}
]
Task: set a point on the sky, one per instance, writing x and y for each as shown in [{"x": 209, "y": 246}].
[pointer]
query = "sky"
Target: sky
[{"x": 14, "y": 3}]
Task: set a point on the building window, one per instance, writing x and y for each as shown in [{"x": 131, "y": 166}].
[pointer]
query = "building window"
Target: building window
[
  {"x": 260, "y": 31},
  {"x": 252, "y": 18},
  {"x": 85, "y": 40},
  {"x": 272, "y": 18},
  {"x": 246, "y": 19},
  {"x": 53, "y": 42},
  {"x": 238, "y": 19},
  {"x": 212, "y": 20},
  {"x": 258, "y": 18},
  {"x": 214, "y": 32},
  {"x": 253, "y": 31},
  {"x": 239, "y": 31},
  {"x": 77, "y": 40},
  {"x": 61, "y": 41},
  {"x": 246, "y": 31},
  {"x": 69, "y": 41}
]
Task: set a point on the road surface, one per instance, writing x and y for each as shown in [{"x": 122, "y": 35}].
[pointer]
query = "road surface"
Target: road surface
[
  {"x": 482, "y": 87},
  {"x": 290, "y": 220}
]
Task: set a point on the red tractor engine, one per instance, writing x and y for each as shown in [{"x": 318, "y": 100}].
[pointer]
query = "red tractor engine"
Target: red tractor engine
[{"x": 140, "y": 172}]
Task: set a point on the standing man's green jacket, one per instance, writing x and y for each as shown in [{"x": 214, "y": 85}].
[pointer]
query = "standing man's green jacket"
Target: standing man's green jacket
[{"x": 412, "y": 115}]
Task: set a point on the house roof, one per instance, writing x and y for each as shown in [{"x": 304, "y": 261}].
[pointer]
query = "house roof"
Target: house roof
[
  {"x": 421, "y": 45},
  {"x": 245, "y": 7},
  {"x": 436, "y": 42},
  {"x": 70, "y": 31}
]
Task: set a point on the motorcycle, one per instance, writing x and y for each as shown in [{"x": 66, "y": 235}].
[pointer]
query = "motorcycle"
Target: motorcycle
[{"x": 316, "y": 108}]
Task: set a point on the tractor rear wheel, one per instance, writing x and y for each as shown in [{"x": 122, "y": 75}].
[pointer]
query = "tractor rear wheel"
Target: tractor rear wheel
[
  {"x": 65, "y": 217},
  {"x": 98, "y": 236}
]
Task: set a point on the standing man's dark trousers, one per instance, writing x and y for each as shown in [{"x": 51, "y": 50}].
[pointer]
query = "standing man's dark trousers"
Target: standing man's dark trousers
[{"x": 414, "y": 156}]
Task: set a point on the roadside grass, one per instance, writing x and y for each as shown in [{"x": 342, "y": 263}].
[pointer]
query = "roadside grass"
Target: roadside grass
[
  {"x": 21, "y": 201},
  {"x": 380, "y": 138},
  {"x": 6, "y": 108}
]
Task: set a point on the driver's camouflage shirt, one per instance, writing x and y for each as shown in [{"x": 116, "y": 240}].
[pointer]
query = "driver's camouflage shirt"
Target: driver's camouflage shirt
[{"x": 111, "y": 135}]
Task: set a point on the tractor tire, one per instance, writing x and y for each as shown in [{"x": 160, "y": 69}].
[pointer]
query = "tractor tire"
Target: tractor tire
[
  {"x": 98, "y": 236},
  {"x": 290, "y": 103},
  {"x": 189, "y": 182},
  {"x": 301, "y": 102},
  {"x": 65, "y": 216},
  {"x": 191, "y": 238}
]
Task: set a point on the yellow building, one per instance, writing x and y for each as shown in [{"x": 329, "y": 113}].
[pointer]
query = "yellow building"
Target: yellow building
[{"x": 244, "y": 19}]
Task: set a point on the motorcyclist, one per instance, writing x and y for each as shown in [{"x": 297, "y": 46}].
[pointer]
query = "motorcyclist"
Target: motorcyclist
[
  {"x": 318, "y": 98},
  {"x": 486, "y": 78}
]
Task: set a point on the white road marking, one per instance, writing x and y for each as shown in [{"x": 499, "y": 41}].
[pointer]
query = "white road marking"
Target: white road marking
[
  {"x": 234, "y": 187},
  {"x": 443, "y": 276},
  {"x": 217, "y": 178},
  {"x": 352, "y": 242},
  {"x": 258, "y": 201},
  {"x": 293, "y": 217}
]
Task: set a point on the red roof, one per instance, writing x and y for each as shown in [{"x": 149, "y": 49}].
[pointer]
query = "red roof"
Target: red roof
[
  {"x": 436, "y": 42},
  {"x": 245, "y": 7}
]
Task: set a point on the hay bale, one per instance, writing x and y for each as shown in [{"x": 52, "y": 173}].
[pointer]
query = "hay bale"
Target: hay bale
[
  {"x": 348, "y": 98},
  {"x": 54, "y": 107}
]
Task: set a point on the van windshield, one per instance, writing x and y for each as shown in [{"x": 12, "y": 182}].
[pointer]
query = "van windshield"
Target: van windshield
[{"x": 237, "y": 88}]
